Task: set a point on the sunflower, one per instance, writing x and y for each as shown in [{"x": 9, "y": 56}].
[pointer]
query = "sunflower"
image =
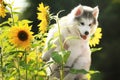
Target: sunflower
[
  {"x": 43, "y": 16},
  {"x": 34, "y": 56},
  {"x": 21, "y": 35},
  {"x": 2, "y": 10},
  {"x": 95, "y": 39}
]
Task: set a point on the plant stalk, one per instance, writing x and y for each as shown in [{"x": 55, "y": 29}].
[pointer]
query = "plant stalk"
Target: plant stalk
[
  {"x": 12, "y": 15},
  {"x": 18, "y": 70},
  {"x": 26, "y": 71},
  {"x": 60, "y": 37},
  {"x": 61, "y": 48},
  {"x": 1, "y": 60}
]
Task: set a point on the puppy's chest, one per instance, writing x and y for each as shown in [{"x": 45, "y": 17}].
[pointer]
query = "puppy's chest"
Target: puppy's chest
[
  {"x": 77, "y": 46},
  {"x": 79, "y": 51}
]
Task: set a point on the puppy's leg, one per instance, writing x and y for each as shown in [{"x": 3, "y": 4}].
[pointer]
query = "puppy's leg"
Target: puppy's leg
[
  {"x": 81, "y": 77},
  {"x": 70, "y": 76},
  {"x": 82, "y": 63},
  {"x": 46, "y": 55}
]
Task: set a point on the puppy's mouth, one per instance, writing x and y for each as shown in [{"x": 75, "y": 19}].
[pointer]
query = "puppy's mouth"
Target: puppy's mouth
[{"x": 82, "y": 36}]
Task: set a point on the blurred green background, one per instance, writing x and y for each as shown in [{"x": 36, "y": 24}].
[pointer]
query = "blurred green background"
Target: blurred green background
[{"x": 107, "y": 61}]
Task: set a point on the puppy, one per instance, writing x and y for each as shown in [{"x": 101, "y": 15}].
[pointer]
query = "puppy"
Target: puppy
[{"x": 81, "y": 23}]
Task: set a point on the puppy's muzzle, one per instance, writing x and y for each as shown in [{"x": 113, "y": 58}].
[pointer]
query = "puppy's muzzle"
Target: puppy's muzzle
[{"x": 86, "y": 33}]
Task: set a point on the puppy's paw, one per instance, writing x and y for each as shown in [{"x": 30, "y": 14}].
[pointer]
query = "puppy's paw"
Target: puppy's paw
[{"x": 45, "y": 57}]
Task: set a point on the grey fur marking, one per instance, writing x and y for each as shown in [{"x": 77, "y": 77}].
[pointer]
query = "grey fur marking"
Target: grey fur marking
[{"x": 87, "y": 15}]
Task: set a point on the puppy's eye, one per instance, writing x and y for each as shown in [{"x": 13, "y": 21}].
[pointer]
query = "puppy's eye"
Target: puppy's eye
[
  {"x": 90, "y": 24},
  {"x": 82, "y": 23}
]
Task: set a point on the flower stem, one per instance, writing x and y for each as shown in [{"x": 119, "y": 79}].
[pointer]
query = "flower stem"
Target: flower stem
[
  {"x": 26, "y": 71},
  {"x": 61, "y": 48},
  {"x": 18, "y": 70},
  {"x": 60, "y": 37},
  {"x": 12, "y": 15},
  {"x": 1, "y": 60},
  {"x": 61, "y": 72}
]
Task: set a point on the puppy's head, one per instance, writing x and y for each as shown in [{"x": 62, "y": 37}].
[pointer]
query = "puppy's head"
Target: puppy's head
[{"x": 85, "y": 20}]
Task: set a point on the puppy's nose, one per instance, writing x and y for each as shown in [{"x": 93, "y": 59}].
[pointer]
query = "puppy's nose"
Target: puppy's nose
[{"x": 86, "y": 33}]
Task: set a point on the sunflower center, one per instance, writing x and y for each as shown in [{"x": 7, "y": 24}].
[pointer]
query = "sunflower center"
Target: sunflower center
[{"x": 23, "y": 36}]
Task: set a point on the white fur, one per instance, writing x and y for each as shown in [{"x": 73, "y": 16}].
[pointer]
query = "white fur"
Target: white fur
[{"x": 80, "y": 57}]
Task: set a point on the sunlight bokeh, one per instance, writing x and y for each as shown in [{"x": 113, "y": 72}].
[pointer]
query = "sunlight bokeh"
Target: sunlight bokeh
[{"x": 19, "y": 5}]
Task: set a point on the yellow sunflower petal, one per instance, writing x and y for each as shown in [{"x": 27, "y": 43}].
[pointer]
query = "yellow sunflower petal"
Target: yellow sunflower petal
[
  {"x": 43, "y": 26},
  {"x": 42, "y": 73},
  {"x": 95, "y": 39},
  {"x": 88, "y": 76},
  {"x": 1, "y": 1},
  {"x": 42, "y": 8},
  {"x": 31, "y": 56},
  {"x": 43, "y": 16},
  {"x": 2, "y": 11}
]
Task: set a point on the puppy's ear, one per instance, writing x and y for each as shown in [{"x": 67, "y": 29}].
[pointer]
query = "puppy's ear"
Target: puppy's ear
[
  {"x": 77, "y": 11},
  {"x": 95, "y": 12}
]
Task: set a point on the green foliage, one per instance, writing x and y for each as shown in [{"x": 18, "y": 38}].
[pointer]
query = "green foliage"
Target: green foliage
[
  {"x": 60, "y": 57},
  {"x": 75, "y": 71},
  {"x": 95, "y": 49},
  {"x": 57, "y": 57}
]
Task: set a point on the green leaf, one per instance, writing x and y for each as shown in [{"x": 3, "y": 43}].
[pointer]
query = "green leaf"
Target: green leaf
[
  {"x": 95, "y": 49},
  {"x": 35, "y": 45},
  {"x": 13, "y": 52},
  {"x": 93, "y": 72},
  {"x": 4, "y": 23},
  {"x": 50, "y": 45},
  {"x": 57, "y": 57},
  {"x": 66, "y": 55},
  {"x": 16, "y": 12},
  {"x": 9, "y": 65},
  {"x": 76, "y": 71},
  {"x": 26, "y": 21},
  {"x": 4, "y": 69}
]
